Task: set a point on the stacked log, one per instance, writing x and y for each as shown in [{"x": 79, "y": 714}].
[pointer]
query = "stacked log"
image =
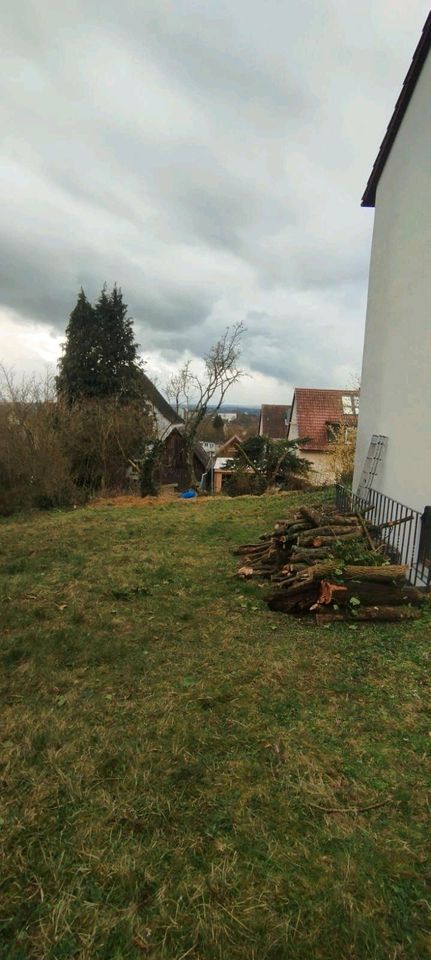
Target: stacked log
[{"x": 300, "y": 558}]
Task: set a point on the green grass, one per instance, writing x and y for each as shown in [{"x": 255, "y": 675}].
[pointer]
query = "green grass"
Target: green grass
[{"x": 171, "y": 749}]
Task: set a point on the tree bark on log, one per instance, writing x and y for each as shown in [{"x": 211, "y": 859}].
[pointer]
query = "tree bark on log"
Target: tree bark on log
[
  {"x": 340, "y": 519},
  {"x": 369, "y": 593},
  {"x": 384, "y": 574},
  {"x": 250, "y": 548},
  {"x": 369, "y": 613},
  {"x": 330, "y": 540},
  {"x": 311, "y": 515},
  {"x": 327, "y": 531},
  {"x": 291, "y": 529},
  {"x": 290, "y": 522},
  {"x": 319, "y": 571}
]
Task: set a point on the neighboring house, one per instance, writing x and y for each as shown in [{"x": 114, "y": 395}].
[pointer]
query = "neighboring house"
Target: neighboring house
[
  {"x": 170, "y": 429},
  {"x": 221, "y": 470},
  {"x": 319, "y": 415},
  {"x": 172, "y": 467},
  {"x": 227, "y": 417},
  {"x": 274, "y": 420},
  {"x": 396, "y": 375},
  {"x": 164, "y": 414},
  {"x": 210, "y": 446}
]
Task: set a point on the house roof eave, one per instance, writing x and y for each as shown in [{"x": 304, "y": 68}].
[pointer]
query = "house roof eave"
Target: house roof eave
[{"x": 407, "y": 90}]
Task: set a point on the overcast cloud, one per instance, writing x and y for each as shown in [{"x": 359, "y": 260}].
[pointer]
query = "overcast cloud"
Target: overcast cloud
[{"x": 210, "y": 158}]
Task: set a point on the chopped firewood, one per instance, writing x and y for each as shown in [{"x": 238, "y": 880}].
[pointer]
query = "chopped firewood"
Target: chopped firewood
[
  {"x": 249, "y": 548},
  {"x": 330, "y": 540},
  {"x": 292, "y": 530},
  {"x": 298, "y": 558},
  {"x": 318, "y": 571},
  {"x": 311, "y": 515},
  {"x": 340, "y": 520},
  {"x": 341, "y": 537},
  {"x": 294, "y": 522},
  {"x": 327, "y": 531}
]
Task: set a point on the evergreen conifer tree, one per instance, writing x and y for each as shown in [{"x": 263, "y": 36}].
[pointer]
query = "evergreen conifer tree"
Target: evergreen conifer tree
[
  {"x": 79, "y": 363},
  {"x": 120, "y": 372},
  {"x": 100, "y": 357}
]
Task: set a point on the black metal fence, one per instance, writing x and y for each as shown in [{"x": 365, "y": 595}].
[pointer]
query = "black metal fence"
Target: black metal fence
[{"x": 405, "y": 533}]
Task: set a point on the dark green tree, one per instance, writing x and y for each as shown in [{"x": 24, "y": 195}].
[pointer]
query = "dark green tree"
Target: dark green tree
[
  {"x": 100, "y": 356},
  {"x": 217, "y": 422},
  {"x": 78, "y": 367},
  {"x": 120, "y": 372}
]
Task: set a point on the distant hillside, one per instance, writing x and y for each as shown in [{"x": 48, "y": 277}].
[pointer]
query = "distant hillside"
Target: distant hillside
[
  {"x": 238, "y": 408},
  {"x": 245, "y": 424}
]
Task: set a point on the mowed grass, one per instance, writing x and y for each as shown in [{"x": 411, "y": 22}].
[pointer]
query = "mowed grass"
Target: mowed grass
[{"x": 186, "y": 774}]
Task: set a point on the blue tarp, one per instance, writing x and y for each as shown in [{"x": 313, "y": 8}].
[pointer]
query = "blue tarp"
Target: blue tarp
[{"x": 188, "y": 494}]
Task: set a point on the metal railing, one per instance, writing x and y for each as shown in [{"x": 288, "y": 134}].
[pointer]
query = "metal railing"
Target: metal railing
[{"x": 403, "y": 536}]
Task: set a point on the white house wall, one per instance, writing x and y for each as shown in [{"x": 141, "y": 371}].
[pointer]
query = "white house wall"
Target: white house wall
[
  {"x": 162, "y": 423},
  {"x": 396, "y": 373},
  {"x": 292, "y": 430}
]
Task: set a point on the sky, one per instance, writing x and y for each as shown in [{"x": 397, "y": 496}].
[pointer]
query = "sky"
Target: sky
[{"x": 208, "y": 156}]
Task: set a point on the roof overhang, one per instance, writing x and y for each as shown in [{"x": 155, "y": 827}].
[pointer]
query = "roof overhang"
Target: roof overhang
[{"x": 419, "y": 57}]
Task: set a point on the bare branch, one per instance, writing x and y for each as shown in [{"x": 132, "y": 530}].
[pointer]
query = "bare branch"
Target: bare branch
[{"x": 198, "y": 392}]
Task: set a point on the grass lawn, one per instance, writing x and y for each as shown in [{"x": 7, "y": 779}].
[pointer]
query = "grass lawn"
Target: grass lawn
[{"x": 186, "y": 774}]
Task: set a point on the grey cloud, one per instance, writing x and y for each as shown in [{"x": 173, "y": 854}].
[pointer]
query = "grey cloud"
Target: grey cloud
[{"x": 210, "y": 158}]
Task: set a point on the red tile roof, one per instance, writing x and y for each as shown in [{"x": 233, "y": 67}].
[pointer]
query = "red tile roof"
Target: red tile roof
[
  {"x": 313, "y": 410},
  {"x": 273, "y": 420}
]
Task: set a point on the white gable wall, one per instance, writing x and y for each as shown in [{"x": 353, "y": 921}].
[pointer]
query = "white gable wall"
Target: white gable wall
[
  {"x": 396, "y": 373},
  {"x": 161, "y": 422}
]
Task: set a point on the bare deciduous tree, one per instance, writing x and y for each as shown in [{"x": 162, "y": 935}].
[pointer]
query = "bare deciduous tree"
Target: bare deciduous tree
[
  {"x": 33, "y": 468},
  {"x": 53, "y": 453},
  {"x": 194, "y": 393}
]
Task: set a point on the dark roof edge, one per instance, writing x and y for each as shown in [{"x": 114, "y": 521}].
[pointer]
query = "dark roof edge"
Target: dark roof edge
[
  {"x": 407, "y": 90},
  {"x": 159, "y": 401}
]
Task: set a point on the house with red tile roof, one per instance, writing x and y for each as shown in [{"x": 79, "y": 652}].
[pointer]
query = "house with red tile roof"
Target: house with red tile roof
[
  {"x": 316, "y": 418},
  {"x": 274, "y": 420}
]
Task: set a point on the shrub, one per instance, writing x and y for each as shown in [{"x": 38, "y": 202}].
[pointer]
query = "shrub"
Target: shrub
[{"x": 53, "y": 454}]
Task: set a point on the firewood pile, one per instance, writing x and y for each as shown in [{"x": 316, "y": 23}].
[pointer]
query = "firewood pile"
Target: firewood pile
[{"x": 303, "y": 558}]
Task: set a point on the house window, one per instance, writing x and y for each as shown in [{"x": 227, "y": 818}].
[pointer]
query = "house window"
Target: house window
[
  {"x": 332, "y": 431},
  {"x": 350, "y": 405}
]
